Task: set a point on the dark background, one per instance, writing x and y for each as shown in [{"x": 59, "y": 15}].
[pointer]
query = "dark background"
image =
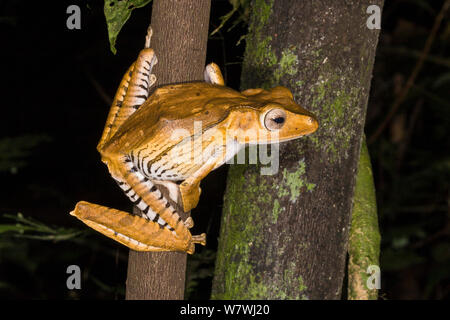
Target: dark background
[{"x": 55, "y": 91}]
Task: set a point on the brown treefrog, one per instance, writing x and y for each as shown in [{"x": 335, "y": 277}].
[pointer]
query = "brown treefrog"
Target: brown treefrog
[{"x": 155, "y": 151}]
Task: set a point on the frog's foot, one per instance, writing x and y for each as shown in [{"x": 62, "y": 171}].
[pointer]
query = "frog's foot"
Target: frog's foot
[
  {"x": 200, "y": 239},
  {"x": 135, "y": 232},
  {"x": 213, "y": 74},
  {"x": 148, "y": 37},
  {"x": 190, "y": 195}
]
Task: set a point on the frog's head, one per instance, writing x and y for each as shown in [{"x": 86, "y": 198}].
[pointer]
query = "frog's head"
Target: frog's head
[{"x": 273, "y": 116}]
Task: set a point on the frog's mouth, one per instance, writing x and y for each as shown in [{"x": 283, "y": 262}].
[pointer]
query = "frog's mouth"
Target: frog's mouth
[{"x": 276, "y": 140}]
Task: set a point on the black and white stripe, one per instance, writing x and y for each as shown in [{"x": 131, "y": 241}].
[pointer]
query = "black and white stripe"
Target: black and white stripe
[
  {"x": 161, "y": 169},
  {"x": 148, "y": 213}
]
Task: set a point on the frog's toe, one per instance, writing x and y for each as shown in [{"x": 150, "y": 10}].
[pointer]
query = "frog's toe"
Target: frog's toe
[
  {"x": 189, "y": 223},
  {"x": 200, "y": 239},
  {"x": 148, "y": 37}
]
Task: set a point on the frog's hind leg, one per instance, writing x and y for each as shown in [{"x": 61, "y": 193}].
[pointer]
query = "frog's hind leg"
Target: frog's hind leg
[
  {"x": 133, "y": 231},
  {"x": 133, "y": 90},
  {"x": 148, "y": 196},
  {"x": 146, "y": 211},
  {"x": 111, "y": 124},
  {"x": 213, "y": 74},
  {"x": 155, "y": 207}
]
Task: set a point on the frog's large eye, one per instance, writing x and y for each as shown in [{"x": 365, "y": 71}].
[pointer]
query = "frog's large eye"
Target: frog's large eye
[{"x": 274, "y": 119}]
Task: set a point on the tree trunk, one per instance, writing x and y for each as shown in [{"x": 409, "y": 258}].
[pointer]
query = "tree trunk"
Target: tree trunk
[
  {"x": 180, "y": 34},
  {"x": 285, "y": 236},
  {"x": 364, "y": 238}
]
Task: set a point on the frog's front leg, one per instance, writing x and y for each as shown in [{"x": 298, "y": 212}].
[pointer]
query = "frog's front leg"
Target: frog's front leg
[
  {"x": 190, "y": 188},
  {"x": 213, "y": 74}
]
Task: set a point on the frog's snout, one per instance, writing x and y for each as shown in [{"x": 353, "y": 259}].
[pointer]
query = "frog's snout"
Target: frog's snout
[
  {"x": 306, "y": 124},
  {"x": 313, "y": 124}
]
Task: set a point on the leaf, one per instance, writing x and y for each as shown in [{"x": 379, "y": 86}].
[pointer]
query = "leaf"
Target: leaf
[
  {"x": 11, "y": 227},
  {"x": 29, "y": 228},
  {"x": 117, "y": 13}
]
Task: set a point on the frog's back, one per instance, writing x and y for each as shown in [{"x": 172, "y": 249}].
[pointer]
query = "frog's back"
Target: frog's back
[{"x": 173, "y": 107}]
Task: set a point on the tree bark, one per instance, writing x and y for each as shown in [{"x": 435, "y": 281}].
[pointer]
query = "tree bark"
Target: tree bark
[
  {"x": 285, "y": 236},
  {"x": 180, "y": 34}
]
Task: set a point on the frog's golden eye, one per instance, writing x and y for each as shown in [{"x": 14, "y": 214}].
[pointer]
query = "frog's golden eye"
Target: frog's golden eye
[{"x": 274, "y": 119}]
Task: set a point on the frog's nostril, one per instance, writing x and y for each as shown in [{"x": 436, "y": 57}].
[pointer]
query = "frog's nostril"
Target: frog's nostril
[{"x": 313, "y": 123}]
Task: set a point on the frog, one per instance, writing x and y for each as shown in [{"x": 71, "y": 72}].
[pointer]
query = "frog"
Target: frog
[{"x": 159, "y": 171}]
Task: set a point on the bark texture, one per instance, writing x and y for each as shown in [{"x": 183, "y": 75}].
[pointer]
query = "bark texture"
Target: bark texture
[
  {"x": 285, "y": 236},
  {"x": 180, "y": 33}
]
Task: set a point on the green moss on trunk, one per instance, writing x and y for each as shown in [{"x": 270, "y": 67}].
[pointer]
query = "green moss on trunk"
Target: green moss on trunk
[
  {"x": 286, "y": 236},
  {"x": 364, "y": 238},
  {"x": 239, "y": 279}
]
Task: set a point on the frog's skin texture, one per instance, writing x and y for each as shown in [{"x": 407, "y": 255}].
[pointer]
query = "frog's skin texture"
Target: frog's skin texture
[{"x": 158, "y": 170}]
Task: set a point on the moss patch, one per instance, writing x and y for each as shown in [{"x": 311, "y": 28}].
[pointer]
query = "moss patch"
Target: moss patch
[
  {"x": 337, "y": 111},
  {"x": 364, "y": 237},
  {"x": 239, "y": 242},
  {"x": 239, "y": 280},
  {"x": 276, "y": 211},
  {"x": 258, "y": 49},
  {"x": 294, "y": 182}
]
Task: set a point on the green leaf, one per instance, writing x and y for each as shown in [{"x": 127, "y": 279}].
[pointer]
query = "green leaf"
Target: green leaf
[
  {"x": 117, "y": 13},
  {"x": 11, "y": 228},
  {"x": 29, "y": 228}
]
